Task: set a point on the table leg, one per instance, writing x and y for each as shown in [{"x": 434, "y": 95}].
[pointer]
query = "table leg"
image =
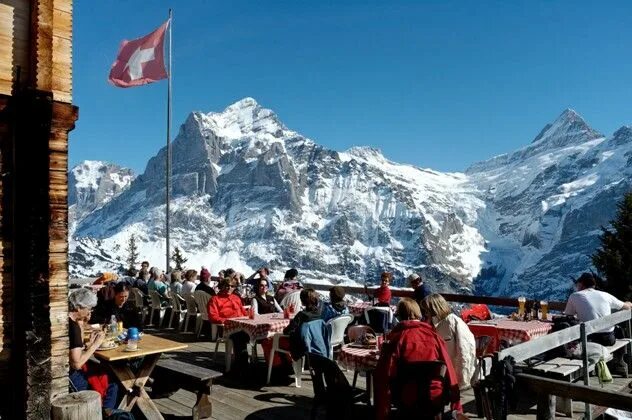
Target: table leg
[
  {"x": 134, "y": 386},
  {"x": 369, "y": 387}
]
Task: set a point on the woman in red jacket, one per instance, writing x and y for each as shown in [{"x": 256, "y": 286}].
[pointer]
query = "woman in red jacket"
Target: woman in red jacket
[
  {"x": 227, "y": 304},
  {"x": 411, "y": 341}
]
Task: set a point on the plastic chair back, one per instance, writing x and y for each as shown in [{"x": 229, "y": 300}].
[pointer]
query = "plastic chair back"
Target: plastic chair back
[
  {"x": 378, "y": 318},
  {"x": 190, "y": 302},
  {"x": 338, "y": 326},
  {"x": 201, "y": 300},
  {"x": 421, "y": 377},
  {"x": 155, "y": 299}
]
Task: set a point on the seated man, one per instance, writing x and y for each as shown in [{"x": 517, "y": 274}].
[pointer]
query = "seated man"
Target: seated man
[
  {"x": 412, "y": 341},
  {"x": 420, "y": 289},
  {"x": 336, "y": 305},
  {"x": 589, "y": 303}
]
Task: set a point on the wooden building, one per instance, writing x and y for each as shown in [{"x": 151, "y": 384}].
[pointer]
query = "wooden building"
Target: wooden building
[{"x": 36, "y": 114}]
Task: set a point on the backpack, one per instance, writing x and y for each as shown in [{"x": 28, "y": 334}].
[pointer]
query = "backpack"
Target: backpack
[{"x": 479, "y": 312}]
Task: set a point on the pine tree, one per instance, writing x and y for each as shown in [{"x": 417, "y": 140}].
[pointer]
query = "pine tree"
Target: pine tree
[
  {"x": 178, "y": 258},
  {"x": 614, "y": 258},
  {"x": 132, "y": 250}
]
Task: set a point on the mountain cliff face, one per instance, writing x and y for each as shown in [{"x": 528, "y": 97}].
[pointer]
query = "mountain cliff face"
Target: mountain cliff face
[
  {"x": 92, "y": 184},
  {"x": 248, "y": 191}
]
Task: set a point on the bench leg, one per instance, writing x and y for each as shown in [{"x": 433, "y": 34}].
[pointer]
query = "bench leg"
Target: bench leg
[
  {"x": 203, "y": 407},
  {"x": 546, "y": 407},
  {"x": 564, "y": 405}
]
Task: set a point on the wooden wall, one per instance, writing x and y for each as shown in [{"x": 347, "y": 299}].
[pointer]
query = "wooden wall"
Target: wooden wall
[{"x": 36, "y": 115}]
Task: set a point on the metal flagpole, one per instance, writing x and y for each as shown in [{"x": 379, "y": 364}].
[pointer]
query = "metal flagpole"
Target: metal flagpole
[{"x": 168, "y": 174}]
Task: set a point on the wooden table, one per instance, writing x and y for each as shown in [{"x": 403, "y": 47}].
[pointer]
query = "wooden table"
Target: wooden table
[{"x": 150, "y": 348}]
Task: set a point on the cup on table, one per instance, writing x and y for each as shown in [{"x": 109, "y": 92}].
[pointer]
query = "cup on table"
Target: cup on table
[
  {"x": 380, "y": 341},
  {"x": 286, "y": 313},
  {"x": 521, "y": 303},
  {"x": 544, "y": 308},
  {"x": 132, "y": 338}
]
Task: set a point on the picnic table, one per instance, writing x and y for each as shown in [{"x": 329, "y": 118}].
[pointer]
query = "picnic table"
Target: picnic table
[
  {"x": 512, "y": 332},
  {"x": 261, "y": 327},
  {"x": 150, "y": 348}
]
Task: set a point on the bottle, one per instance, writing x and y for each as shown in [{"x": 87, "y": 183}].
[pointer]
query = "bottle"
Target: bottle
[
  {"x": 534, "y": 311},
  {"x": 113, "y": 326}
]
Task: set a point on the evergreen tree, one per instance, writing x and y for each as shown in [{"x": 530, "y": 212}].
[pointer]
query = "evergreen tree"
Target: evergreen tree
[
  {"x": 132, "y": 250},
  {"x": 179, "y": 259},
  {"x": 614, "y": 258}
]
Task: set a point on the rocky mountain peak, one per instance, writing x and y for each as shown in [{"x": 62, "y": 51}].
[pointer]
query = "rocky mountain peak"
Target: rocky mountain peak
[
  {"x": 568, "y": 128},
  {"x": 622, "y": 136}
]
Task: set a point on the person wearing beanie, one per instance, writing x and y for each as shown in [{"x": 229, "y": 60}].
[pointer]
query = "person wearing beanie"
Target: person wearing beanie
[
  {"x": 205, "y": 282},
  {"x": 336, "y": 305},
  {"x": 420, "y": 289}
]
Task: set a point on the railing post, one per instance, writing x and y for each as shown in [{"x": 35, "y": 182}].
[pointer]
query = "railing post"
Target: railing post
[{"x": 584, "y": 339}]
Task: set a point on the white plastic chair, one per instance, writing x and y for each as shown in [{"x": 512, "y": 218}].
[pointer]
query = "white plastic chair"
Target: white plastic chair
[
  {"x": 201, "y": 300},
  {"x": 156, "y": 306},
  {"x": 176, "y": 308},
  {"x": 292, "y": 298},
  {"x": 385, "y": 309},
  {"x": 337, "y": 327},
  {"x": 191, "y": 312},
  {"x": 297, "y": 365}
]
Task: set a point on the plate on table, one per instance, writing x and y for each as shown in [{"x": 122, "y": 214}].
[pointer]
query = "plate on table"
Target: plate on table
[
  {"x": 126, "y": 350},
  {"x": 109, "y": 347}
]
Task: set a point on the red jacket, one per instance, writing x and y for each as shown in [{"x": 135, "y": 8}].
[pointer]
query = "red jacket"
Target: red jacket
[
  {"x": 224, "y": 306},
  {"x": 411, "y": 341},
  {"x": 382, "y": 294}
]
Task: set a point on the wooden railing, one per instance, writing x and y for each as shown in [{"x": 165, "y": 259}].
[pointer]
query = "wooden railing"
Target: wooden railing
[{"x": 450, "y": 297}]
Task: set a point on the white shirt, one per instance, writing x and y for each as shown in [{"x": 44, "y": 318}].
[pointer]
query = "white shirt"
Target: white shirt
[
  {"x": 461, "y": 346},
  {"x": 188, "y": 287},
  {"x": 589, "y": 304}
]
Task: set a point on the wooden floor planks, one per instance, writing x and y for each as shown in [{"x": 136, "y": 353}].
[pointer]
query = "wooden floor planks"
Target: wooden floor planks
[{"x": 235, "y": 400}]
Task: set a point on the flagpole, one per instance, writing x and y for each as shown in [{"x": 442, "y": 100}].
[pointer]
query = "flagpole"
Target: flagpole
[{"x": 168, "y": 174}]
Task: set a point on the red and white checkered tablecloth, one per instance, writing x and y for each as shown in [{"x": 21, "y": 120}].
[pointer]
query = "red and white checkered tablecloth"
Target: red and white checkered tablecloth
[
  {"x": 360, "y": 359},
  {"x": 512, "y": 331},
  {"x": 262, "y": 327}
]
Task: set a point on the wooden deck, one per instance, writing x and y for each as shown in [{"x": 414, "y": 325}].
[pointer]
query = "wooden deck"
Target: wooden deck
[{"x": 250, "y": 398}]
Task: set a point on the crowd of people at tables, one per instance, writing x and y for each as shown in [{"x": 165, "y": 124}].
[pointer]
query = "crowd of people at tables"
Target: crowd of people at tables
[{"x": 424, "y": 329}]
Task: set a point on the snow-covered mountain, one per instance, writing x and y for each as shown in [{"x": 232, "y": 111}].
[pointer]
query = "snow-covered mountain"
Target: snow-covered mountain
[
  {"x": 249, "y": 191},
  {"x": 92, "y": 184}
]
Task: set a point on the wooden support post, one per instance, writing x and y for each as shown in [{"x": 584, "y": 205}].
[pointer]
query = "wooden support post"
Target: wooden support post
[
  {"x": 584, "y": 338},
  {"x": 77, "y": 406},
  {"x": 546, "y": 407}
]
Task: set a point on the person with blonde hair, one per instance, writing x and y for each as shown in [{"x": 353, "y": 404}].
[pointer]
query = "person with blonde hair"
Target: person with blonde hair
[
  {"x": 458, "y": 338},
  {"x": 411, "y": 341}
]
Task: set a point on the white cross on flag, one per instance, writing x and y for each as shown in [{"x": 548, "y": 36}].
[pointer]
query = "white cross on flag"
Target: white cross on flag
[{"x": 140, "y": 61}]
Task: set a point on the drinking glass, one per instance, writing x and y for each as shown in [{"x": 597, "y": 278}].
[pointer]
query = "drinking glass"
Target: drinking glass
[
  {"x": 521, "y": 302},
  {"x": 544, "y": 308}
]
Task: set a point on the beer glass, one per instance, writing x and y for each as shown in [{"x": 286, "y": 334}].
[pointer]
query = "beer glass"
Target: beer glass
[
  {"x": 521, "y": 302},
  {"x": 544, "y": 309}
]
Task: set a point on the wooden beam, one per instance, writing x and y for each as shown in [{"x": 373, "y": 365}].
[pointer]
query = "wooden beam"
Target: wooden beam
[{"x": 594, "y": 396}]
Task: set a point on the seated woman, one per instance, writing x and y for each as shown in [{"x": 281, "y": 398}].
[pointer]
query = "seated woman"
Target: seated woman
[
  {"x": 311, "y": 312},
  {"x": 458, "y": 338},
  {"x": 188, "y": 286},
  {"x": 336, "y": 305},
  {"x": 411, "y": 341},
  {"x": 226, "y": 304},
  {"x": 122, "y": 309},
  {"x": 263, "y": 303},
  {"x": 80, "y": 304}
]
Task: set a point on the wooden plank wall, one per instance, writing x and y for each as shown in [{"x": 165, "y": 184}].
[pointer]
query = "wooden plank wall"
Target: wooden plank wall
[
  {"x": 36, "y": 115},
  {"x": 51, "y": 68}
]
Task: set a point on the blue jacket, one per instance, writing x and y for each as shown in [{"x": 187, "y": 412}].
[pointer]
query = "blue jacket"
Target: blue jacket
[
  {"x": 315, "y": 336},
  {"x": 330, "y": 312}
]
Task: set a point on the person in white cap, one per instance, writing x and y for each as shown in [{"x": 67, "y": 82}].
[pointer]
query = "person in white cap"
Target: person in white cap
[{"x": 419, "y": 288}]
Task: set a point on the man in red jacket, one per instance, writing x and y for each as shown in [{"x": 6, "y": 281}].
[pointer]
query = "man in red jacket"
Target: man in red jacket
[
  {"x": 411, "y": 341},
  {"x": 227, "y": 304}
]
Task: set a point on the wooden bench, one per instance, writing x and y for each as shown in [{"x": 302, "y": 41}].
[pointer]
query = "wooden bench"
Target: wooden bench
[
  {"x": 563, "y": 370},
  {"x": 192, "y": 378}
]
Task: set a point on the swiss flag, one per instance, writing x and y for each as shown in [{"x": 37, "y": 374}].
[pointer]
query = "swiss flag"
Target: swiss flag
[{"x": 141, "y": 60}]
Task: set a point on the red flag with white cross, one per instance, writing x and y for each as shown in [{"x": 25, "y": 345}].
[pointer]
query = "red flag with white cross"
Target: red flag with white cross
[{"x": 140, "y": 61}]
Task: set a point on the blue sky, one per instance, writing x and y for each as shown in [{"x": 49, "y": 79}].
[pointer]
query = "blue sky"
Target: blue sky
[{"x": 438, "y": 84}]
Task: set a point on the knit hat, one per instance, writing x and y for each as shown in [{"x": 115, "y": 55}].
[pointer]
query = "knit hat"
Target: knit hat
[
  {"x": 205, "y": 275},
  {"x": 337, "y": 294},
  {"x": 414, "y": 276}
]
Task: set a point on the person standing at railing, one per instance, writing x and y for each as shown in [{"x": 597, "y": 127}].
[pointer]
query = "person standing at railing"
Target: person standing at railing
[
  {"x": 383, "y": 293},
  {"x": 420, "y": 289}
]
